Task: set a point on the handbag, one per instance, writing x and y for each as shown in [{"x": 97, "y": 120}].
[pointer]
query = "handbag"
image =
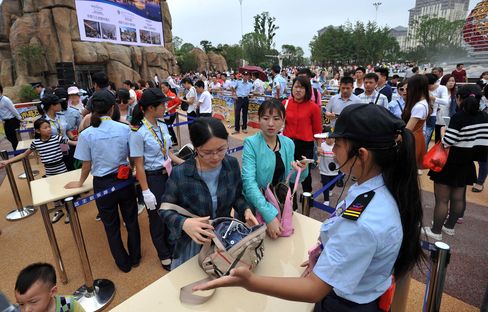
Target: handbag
[
  {"x": 281, "y": 197},
  {"x": 235, "y": 245},
  {"x": 436, "y": 157}
]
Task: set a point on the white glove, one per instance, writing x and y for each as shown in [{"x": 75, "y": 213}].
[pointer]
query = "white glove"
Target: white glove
[{"x": 149, "y": 199}]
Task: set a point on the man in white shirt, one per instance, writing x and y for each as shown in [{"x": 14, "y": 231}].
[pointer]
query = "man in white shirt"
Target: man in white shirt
[
  {"x": 370, "y": 95},
  {"x": 341, "y": 100},
  {"x": 133, "y": 97},
  {"x": 258, "y": 84},
  {"x": 227, "y": 85},
  {"x": 190, "y": 98},
  {"x": 214, "y": 85},
  {"x": 204, "y": 100},
  {"x": 172, "y": 82},
  {"x": 439, "y": 73},
  {"x": 439, "y": 96},
  {"x": 358, "y": 86},
  {"x": 156, "y": 80}
]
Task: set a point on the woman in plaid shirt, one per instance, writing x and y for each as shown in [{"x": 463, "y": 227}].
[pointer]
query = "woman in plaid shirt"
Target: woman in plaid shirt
[{"x": 208, "y": 185}]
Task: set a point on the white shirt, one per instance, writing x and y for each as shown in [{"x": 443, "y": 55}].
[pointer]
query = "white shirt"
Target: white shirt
[
  {"x": 355, "y": 86},
  {"x": 133, "y": 95},
  {"x": 258, "y": 86},
  {"x": 205, "y": 102},
  {"x": 213, "y": 85},
  {"x": 441, "y": 100},
  {"x": 227, "y": 84},
  {"x": 171, "y": 82},
  {"x": 420, "y": 110},
  {"x": 192, "y": 93},
  {"x": 375, "y": 97},
  {"x": 326, "y": 159}
]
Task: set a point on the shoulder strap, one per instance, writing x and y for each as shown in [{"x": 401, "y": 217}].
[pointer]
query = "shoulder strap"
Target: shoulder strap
[
  {"x": 297, "y": 179},
  {"x": 182, "y": 211},
  {"x": 377, "y": 98},
  {"x": 188, "y": 296},
  {"x": 399, "y": 106},
  {"x": 286, "y": 103}
]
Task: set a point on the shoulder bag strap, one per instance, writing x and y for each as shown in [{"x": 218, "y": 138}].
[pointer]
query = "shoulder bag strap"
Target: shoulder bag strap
[
  {"x": 399, "y": 106},
  {"x": 297, "y": 179},
  {"x": 377, "y": 98},
  {"x": 189, "y": 297}
]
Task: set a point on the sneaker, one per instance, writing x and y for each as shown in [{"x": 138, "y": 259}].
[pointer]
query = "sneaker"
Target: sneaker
[
  {"x": 419, "y": 172},
  {"x": 340, "y": 183},
  {"x": 166, "y": 263},
  {"x": 97, "y": 218},
  {"x": 141, "y": 208},
  {"x": 448, "y": 231},
  {"x": 66, "y": 220},
  {"x": 326, "y": 203},
  {"x": 460, "y": 221},
  {"x": 235, "y": 132},
  {"x": 428, "y": 232},
  {"x": 354, "y": 179},
  {"x": 477, "y": 188},
  {"x": 56, "y": 216},
  {"x": 244, "y": 130}
]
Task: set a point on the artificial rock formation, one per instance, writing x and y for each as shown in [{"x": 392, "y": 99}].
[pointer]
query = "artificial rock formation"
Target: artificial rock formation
[
  {"x": 52, "y": 27},
  {"x": 210, "y": 61}
]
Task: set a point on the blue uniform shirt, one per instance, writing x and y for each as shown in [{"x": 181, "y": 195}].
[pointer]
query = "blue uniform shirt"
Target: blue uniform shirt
[
  {"x": 243, "y": 88},
  {"x": 58, "y": 125},
  {"x": 358, "y": 256},
  {"x": 142, "y": 143},
  {"x": 7, "y": 109},
  {"x": 279, "y": 80},
  {"x": 73, "y": 118},
  {"x": 107, "y": 147}
]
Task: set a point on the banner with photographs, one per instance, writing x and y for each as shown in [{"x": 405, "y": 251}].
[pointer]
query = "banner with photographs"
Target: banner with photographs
[{"x": 130, "y": 22}]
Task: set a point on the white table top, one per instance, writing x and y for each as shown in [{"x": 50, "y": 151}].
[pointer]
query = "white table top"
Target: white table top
[
  {"x": 50, "y": 189},
  {"x": 282, "y": 257},
  {"x": 25, "y": 144}
]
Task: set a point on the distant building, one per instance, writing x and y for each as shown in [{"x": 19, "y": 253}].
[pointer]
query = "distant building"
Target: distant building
[
  {"x": 451, "y": 10},
  {"x": 400, "y": 34}
]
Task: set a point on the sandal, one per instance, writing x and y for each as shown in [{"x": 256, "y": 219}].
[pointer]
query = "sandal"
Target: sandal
[{"x": 477, "y": 188}]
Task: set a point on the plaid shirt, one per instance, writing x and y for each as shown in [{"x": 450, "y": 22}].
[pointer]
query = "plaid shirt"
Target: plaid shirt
[{"x": 186, "y": 188}]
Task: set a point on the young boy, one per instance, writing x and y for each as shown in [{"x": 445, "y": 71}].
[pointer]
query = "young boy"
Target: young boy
[
  {"x": 327, "y": 175},
  {"x": 36, "y": 291}
]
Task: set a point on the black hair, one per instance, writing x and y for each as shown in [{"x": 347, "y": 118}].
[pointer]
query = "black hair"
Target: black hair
[
  {"x": 128, "y": 82},
  {"x": 371, "y": 76},
  {"x": 401, "y": 84},
  {"x": 304, "y": 82},
  {"x": 205, "y": 128},
  {"x": 418, "y": 88},
  {"x": 141, "y": 107},
  {"x": 346, "y": 80},
  {"x": 395, "y": 76},
  {"x": 37, "y": 125},
  {"x": 399, "y": 170},
  {"x": 383, "y": 71},
  {"x": 471, "y": 96},
  {"x": 165, "y": 83},
  {"x": 186, "y": 80},
  {"x": 199, "y": 84},
  {"x": 444, "y": 81},
  {"x": 415, "y": 69},
  {"x": 457, "y": 65},
  {"x": 112, "y": 85},
  {"x": 151, "y": 84},
  {"x": 100, "y": 79},
  {"x": 100, "y": 108},
  {"x": 1, "y": 88},
  {"x": 431, "y": 78},
  {"x": 276, "y": 68},
  {"x": 361, "y": 69},
  {"x": 272, "y": 105},
  {"x": 255, "y": 74},
  {"x": 305, "y": 71},
  {"x": 440, "y": 69},
  {"x": 43, "y": 272}
]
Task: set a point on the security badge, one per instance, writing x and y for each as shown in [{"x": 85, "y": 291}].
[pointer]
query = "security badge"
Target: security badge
[{"x": 354, "y": 211}]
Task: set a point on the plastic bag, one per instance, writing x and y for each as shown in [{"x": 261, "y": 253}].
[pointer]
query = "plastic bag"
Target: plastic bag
[{"x": 436, "y": 157}]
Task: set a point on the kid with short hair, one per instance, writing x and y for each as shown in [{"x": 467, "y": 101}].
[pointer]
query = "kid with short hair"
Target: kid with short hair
[
  {"x": 326, "y": 174},
  {"x": 36, "y": 291}
]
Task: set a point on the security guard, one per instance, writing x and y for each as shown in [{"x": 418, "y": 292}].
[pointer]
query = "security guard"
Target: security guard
[
  {"x": 361, "y": 244},
  {"x": 104, "y": 150},
  {"x": 150, "y": 148}
]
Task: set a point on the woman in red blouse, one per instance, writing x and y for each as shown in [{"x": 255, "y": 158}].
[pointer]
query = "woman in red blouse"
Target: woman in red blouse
[
  {"x": 171, "y": 108},
  {"x": 303, "y": 120}
]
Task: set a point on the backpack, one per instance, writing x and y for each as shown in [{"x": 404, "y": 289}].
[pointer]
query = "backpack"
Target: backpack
[
  {"x": 235, "y": 245},
  {"x": 281, "y": 197}
]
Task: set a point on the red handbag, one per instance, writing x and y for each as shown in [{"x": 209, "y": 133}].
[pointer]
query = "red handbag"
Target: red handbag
[{"x": 436, "y": 157}]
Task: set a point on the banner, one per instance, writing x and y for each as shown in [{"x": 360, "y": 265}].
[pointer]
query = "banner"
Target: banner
[{"x": 130, "y": 22}]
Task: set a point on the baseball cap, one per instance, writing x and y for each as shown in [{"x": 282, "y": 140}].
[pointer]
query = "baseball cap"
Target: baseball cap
[
  {"x": 372, "y": 125},
  {"x": 153, "y": 96},
  {"x": 245, "y": 73},
  {"x": 73, "y": 90},
  {"x": 104, "y": 96},
  {"x": 50, "y": 99},
  {"x": 61, "y": 93}
]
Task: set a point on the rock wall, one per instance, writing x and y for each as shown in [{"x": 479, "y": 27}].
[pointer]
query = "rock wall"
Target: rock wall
[
  {"x": 52, "y": 27},
  {"x": 210, "y": 61}
]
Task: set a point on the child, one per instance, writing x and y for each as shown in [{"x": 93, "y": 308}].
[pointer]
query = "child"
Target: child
[
  {"x": 36, "y": 291},
  {"x": 49, "y": 148},
  {"x": 326, "y": 159}
]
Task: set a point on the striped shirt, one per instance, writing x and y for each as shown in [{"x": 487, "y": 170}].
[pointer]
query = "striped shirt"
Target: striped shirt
[{"x": 51, "y": 154}]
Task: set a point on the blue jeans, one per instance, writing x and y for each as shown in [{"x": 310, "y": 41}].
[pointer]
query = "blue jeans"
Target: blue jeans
[
  {"x": 483, "y": 172},
  {"x": 429, "y": 129}
]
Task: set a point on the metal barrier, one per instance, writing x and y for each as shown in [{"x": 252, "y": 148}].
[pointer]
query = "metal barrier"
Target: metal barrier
[
  {"x": 18, "y": 133},
  {"x": 440, "y": 259},
  {"x": 306, "y": 203},
  {"x": 94, "y": 295},
  {"x": 21, "y": 212}
]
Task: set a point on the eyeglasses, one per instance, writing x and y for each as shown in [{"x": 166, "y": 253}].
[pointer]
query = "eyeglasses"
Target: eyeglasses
[
  {"x": 208, "y": 154},
  {"x": 402, "y": 89}
]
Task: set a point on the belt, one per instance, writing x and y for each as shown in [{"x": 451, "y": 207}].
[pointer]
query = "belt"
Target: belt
[
  {"x": 243, "y": 97},
  {"x": 156, "y": 172},
  {"x": 54, "y": 164}
]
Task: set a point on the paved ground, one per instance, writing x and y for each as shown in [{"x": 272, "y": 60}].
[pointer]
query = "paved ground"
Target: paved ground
[{"x": 466, "y": 278}]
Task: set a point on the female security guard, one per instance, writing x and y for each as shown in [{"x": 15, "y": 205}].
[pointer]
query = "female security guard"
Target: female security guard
[
  {"x": 362, "y": 243},
  {"x": 150, "y": 144},
  {"x": 104, "y": 150}
]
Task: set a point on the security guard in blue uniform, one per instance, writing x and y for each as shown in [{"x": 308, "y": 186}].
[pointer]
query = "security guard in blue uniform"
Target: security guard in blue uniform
[
  {"x": 104, "y": 150},
  {"x": 374, "y": 233},
  {"x": 150, "y": 148}
]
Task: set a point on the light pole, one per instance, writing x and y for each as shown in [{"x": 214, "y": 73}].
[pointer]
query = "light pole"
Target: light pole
[
  {"x": 376, "y": 6},
  {"x": 242, "y": 32}
]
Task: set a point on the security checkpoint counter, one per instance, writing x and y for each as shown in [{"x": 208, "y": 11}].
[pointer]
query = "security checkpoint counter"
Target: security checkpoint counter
[{"x": 282, "y": 257}]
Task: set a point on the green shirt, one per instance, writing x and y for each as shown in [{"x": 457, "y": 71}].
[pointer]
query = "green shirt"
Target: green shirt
[{"x": 67, "y": 304}]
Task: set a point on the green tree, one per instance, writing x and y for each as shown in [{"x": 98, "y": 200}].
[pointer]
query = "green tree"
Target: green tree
[
  {"x": 264, "y": 24},
  {"x": 187, "y": 62},
  {"x": 293, "y": 55},
  {"x": 177, "y": 42},
  {"x": 232, "y": 54},
  {"x": 185, "y": 48},
  {"x": 255, "y": 48},
  {"x": 207, "y": 46}
]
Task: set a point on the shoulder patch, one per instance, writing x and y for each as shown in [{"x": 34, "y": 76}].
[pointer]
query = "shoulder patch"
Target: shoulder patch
[{"x": 357, "y": 207}]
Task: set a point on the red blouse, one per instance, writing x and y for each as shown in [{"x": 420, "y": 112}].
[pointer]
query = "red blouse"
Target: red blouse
[{"x": 302, "y": 121}]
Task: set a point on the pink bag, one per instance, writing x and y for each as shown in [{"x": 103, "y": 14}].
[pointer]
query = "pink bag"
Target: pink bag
[{"x": 281, "y": 197}]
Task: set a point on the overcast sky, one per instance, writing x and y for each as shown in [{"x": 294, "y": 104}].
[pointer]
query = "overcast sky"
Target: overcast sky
[{"x": 219, "y": 21}]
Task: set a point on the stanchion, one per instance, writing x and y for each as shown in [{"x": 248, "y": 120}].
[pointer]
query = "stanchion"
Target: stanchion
[
  {"x": 440, "y": 260},
  {"x": 94, "y": 295},
  {"x": 178, "y": 134},
  {"x": 28, "y": 171},
  {"x": 21, "y": 212},
  {"x": 306, "y": 202}
]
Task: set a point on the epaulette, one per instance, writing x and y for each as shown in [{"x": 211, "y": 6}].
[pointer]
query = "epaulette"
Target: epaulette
[
  {"x": 357, "y": 207},
  {"x": 135, "y": 127}
]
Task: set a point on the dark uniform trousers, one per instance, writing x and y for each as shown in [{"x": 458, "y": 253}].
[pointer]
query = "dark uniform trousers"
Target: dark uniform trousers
[
  {"x": 108, "y": 207},
  {"x": 334, "y": 303},
  {"x": 156, "y": 181},
  {"x": 241, "y": 104},
  {"x": 11, "y": 126}
]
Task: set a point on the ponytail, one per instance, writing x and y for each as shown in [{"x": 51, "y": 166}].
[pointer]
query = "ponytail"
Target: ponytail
[
  {"x": 40, "y": 109},
  {"x": 471, "y": 96},
  {"x": 137, "y": 115},
  {"x": 95, "y": 120}
]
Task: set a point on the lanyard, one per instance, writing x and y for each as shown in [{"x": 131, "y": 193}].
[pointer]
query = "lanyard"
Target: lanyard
[
  {"x": 105, "y": 118},
  {"x": 161, "y": 144},
  {"x": 56, "y": 124}
]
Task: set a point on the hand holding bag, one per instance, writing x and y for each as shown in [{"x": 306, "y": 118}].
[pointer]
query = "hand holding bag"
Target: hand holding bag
[{"x": 436, "y": 157}]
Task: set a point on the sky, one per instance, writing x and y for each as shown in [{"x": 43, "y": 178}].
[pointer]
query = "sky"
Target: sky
[{"x": 219, "y": 21}]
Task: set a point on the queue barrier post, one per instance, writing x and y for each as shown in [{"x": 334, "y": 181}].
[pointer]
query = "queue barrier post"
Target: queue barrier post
[
  {"x": 94, "y": 295},
  {"x": 440, "y": 259},
  {"x": 306, "y": 203},
  {"x": 21, "y": 212},
  {"x": 28, "y": 171},
  {"x": 23, "y": 175},
  {"x": 178, "y": 134}
]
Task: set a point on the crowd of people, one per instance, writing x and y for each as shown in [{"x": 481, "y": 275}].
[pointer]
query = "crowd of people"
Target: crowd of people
[{"x": 378, "y": 129}]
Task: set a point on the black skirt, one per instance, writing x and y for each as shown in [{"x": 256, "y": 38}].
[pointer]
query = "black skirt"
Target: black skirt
[{"x": 455, "y": 174}]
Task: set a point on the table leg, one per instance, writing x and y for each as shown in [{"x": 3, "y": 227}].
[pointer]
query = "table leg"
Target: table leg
[
  {"x": 94, "y": 295},
  {"x": 54, "y": 243}
]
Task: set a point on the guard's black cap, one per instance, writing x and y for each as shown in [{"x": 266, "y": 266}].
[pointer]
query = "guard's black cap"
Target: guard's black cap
[
  {"x": 61, "y": 93},
  {"x": 123, "y": 94},
  {"x": 372, "y": 125},
  {"x": 50, "y": 99},
  {"x": 153, "y": 96},
  {"x": 104, "y": 96},
  {"x": 36, "y": 84}
]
